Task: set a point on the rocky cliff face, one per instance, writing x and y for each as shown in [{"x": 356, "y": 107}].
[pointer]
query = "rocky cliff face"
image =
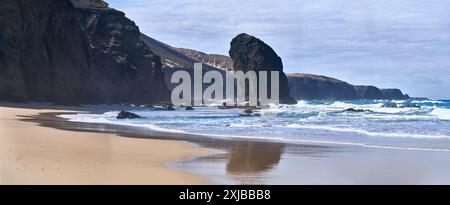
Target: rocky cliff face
[
  {"x": 174, "y": 61},
  {"x": 251, "y": 54},
  {"x": 394, "y": 94},
  {"x": 368, "y": 92},
  {"x": 215, "y": 60},
  {"x": 309, "y": 87},
  {"x": 71, "y": 52}
]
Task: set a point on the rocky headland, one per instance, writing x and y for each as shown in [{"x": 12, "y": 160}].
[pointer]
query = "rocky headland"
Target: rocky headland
[{"x": 75, "y": 51}]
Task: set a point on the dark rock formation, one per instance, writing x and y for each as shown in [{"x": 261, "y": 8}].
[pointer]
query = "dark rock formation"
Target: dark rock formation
[
  {"x": 390, "y": 105},
  {"x": 249, "y": 113},
  {"x": 127, "y": 115},
  {"x": 251, "y": 54},
  {"x": 310, "y": 87},
  {"x": 410, "y": 106},
  {"x": 393, "y": 94},
  {"x": 71, "y": 52},
  {"x": 170, "y": 107},
  {"x": 189, "y": 108},
  {"x": 368, "y": 92},
  {"x": 356, "y": 110}
]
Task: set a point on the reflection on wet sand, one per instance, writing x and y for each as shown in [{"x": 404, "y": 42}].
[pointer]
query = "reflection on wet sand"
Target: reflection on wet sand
[
  {"x": 242, "y": 162},
  {"x": 253, "y": 157}
]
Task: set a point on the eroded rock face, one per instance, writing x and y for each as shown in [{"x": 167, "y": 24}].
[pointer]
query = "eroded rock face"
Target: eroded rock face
[
  {"x": 312, "y": 87},
  {"x": 71, "y": 52},
  {"x": 215, "y": 60},
  {"x": 394, "y": 94},
  {"x": 304, "y": 86},
  {"x": 368, "y": 92},
  {"x": 251, "y": 54},
  {"x": 43, "y": 52}
]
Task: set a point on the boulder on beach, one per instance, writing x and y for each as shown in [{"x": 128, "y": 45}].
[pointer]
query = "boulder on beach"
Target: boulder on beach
[{"x": 127, "y": 115}]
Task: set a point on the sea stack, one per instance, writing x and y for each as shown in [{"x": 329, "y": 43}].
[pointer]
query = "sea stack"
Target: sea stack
[{"x": 251, "y": 54}]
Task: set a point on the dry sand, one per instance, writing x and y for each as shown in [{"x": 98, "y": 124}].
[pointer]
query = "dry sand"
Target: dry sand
[{"x": 31, "y": 154}]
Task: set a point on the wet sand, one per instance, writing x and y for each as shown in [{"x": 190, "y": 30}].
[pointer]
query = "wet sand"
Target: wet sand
[
  {"x": 33, "y": 154},
  {"x": 321, "y": 165}
]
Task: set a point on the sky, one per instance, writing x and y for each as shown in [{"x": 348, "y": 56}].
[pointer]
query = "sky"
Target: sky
[{"x": 388, "y": 43}]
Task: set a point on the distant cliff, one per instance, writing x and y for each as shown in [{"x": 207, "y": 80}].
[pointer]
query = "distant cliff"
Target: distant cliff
[
  {"x": 394, "y": 94},
  {"x": 215, "y": 60},
  {"x": 173, "y": 60},
  {"x": 309, "y": 86},
  {"x": 74, "y": 51}
]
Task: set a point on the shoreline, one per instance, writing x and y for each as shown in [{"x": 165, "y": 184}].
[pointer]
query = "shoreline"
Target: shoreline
[
  {"x": 240, "y": 161},
  {"x": 31, "y": 153},
  {"x": 249, "y": 155}
]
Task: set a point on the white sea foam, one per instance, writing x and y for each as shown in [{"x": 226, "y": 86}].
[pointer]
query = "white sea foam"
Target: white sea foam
[
  {"x": 278, "y": 123},
  {"x": 427, "y": 101},
  {"x": 369, "y": 133},
  {"x": 441, "y": 113},
  {"x": 108, "y": 118}
]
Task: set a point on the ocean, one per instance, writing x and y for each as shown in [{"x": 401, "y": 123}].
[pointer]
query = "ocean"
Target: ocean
[{"x": 317, "y": 122}]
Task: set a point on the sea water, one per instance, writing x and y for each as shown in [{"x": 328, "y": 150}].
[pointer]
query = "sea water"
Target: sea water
[{"x": 424, "y": 128}]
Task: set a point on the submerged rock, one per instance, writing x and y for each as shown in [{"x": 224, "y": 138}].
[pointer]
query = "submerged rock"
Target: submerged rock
[
  {"x": 356, "y": 110},
  {"x": 248, "y": 113},
  {"x": 410, "y": 106},
  {"x": 390, "y": 105},
  {"x": 127, "y": 115},
  {"x": 189, "y": 108}
]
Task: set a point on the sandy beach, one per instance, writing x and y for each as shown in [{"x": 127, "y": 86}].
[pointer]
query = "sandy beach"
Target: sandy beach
[{"x": 32, "y": 154}]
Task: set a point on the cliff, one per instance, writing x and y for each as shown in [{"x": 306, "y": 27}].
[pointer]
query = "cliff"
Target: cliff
[
  {"x": 393, "y": 94},
  {"x": 309, "y": 86},
  {"x": 72, "y": 52},
  {"x": 215, "y": 60},
  {"x": 174, "y": 61}
]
